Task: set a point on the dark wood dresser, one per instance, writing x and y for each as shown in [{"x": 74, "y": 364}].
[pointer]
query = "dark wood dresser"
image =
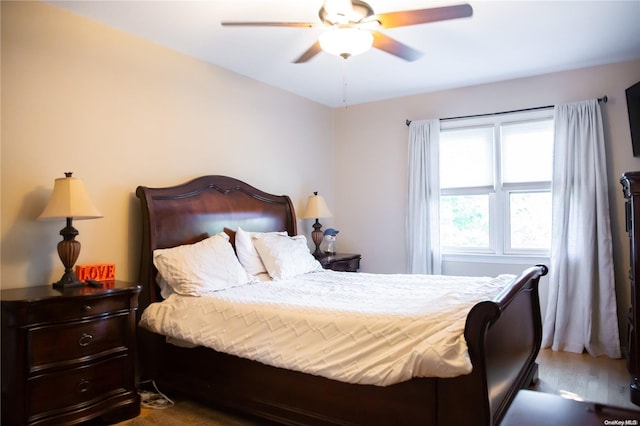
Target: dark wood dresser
[
  {"x": 69, "y": 356},
  {"x": 346, "y": 262},
  {"x": 631, "y": 189}
]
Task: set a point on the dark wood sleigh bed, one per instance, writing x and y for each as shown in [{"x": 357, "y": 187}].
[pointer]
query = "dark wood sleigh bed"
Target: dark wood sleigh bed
[{"x": 503, "y": 335}]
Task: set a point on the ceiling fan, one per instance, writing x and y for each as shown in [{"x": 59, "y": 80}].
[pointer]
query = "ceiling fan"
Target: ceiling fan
[{"x": 352, "y": 28}]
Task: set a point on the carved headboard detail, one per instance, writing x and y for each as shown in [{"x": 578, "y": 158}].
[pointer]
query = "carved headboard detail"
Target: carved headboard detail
[{"x": 205, "y": 206}]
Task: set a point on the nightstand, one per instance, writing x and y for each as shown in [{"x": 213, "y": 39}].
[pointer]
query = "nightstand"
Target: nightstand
[
  {"x": 69, "y": 356},
  {"x": 347, "y": 262}
]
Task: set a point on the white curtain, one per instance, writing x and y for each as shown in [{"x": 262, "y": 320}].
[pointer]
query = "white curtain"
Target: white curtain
[
  {"x": 581, "y": 312},
  {"x": 422, "y": 227}
]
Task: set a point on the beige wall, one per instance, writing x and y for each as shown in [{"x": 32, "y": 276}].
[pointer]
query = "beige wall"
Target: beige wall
[
  {"x": 371, "y": 160},
  {"x": 120, "y": 112}
]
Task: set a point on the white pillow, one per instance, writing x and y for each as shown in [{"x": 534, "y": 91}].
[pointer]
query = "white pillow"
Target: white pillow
[
  {"x": 285, "y": 257},
  {"x": 165, "y": 289},
  {"x": 247, "y": 254},
  {"x": 204, "y": 267}
]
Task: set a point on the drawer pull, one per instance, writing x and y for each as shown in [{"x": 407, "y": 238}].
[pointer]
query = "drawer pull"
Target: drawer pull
[
  {"x": 86, "y": 308},
  {"x": 83, "y": 386},
  {"x": 85, "y": 339}
]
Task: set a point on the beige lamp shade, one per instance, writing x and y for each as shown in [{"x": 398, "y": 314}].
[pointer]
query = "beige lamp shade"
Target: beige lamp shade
[
  {"x": 316, "y": 207},
  {"x": 69, "y": 199}
]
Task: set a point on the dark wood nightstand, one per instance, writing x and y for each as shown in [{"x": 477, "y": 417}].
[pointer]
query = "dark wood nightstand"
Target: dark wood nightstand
[
  {"x": 69, "y": 356},
  {"x": 347, "y": 262}
]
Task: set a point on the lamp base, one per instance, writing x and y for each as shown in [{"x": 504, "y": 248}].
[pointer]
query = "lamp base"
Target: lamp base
[
  {"x": 68, "y": 280},
  {"x": 68, "y": 250},
  {"x": 316, "y": 236}
]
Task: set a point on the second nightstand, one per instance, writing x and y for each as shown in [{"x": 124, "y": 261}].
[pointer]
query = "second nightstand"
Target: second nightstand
[
  {"x": 69, "y": 356},
  {"x": 347, "y": 262}
]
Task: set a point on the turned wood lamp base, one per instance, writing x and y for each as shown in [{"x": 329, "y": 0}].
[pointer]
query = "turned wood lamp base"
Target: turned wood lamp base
[{"x": 68, "y": 250}]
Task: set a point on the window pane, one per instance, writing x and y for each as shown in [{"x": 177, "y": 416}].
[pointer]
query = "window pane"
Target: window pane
[
  {"x": 464, "y": 221},
  {"x": 524, "y": 144},
  {"x": 466, "y": 157},
  {"x": 530, "y": 214}
]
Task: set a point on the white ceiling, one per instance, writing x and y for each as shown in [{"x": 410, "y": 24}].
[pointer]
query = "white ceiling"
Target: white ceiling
[{"x": 503, "y": 40}]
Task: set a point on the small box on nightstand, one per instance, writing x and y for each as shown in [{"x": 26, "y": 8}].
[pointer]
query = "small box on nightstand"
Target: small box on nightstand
[{"x": 346, "y": 262}]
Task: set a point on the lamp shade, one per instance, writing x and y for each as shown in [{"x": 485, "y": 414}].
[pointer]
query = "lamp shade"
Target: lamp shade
[
  {"x": 346, "y": 42},
  {"x": 316, "y": 207},
  {"x": 69, "y": 199}
]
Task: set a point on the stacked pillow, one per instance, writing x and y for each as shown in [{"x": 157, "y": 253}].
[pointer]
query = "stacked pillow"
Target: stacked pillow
[
  {"x": 211, "y": 265},
  {"x": 201, "y": 268},
  {"x": 285, "y": 257},
  {"x": 247, "y": 253}
]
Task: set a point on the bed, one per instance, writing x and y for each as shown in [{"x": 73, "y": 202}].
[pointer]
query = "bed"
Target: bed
[{"x": 502, "y": 333}]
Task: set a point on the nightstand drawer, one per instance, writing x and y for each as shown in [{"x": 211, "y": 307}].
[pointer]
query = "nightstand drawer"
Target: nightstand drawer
[
  {"x": 64, "y": 344},
  {"x": 77, "y": 387},
  {"x": 81, "y": 307}
]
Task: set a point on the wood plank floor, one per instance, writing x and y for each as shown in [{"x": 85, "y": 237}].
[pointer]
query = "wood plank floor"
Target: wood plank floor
[
  {"x": 581, "y": 376},
  {"x": 576, "y": 376}
]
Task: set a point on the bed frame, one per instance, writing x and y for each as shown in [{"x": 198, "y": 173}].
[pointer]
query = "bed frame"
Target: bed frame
[{"x": 503, "y": 334}]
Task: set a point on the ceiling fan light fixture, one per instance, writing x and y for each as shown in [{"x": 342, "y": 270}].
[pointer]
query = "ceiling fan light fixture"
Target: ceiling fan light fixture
[{"x": 346, "y": 42}]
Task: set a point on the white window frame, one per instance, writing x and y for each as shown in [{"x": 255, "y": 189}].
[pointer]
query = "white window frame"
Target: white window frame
[{"x": 499, "y": 250}]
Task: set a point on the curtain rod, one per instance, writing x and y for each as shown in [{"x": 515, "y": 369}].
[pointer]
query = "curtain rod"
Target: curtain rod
[{"x": 603, "y": 99}]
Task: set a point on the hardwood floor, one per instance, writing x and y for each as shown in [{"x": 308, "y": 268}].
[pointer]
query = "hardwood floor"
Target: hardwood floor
[
  {"x": 576, "y": 376},
  {"x": 583, "y": 377}
]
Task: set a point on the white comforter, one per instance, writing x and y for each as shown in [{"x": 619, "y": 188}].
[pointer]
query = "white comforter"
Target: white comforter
[{"x": 353, "y": 327}]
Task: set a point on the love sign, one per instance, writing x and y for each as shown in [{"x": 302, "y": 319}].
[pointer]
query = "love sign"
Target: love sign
[{"x": 98, "y": 271}]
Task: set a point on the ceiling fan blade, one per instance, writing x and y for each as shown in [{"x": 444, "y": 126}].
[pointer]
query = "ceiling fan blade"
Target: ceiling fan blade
[
  {"x": 272, "y": 24},
  {"x": 387, "y": 44},
  {"x": 424, "y": 16},
  {"x": 310, "y": 53}
]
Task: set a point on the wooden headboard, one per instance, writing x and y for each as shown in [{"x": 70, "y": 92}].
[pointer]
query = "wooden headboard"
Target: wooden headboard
[{"x": 192, "y": 211}]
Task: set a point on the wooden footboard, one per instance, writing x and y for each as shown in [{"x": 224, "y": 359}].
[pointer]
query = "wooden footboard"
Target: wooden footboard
[{"x": 504, "y": 337}]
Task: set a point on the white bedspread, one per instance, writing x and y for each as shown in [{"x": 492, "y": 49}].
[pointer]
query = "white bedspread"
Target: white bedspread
[{"x": 353, "y": 327}]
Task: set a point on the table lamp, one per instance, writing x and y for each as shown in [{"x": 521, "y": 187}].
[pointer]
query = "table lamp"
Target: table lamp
[
  {"x": 69, "y": 200},
  {"x": 316, "y": 208}
]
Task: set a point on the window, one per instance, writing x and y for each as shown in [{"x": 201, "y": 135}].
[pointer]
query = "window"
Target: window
[{"x": 495, "y": 184}]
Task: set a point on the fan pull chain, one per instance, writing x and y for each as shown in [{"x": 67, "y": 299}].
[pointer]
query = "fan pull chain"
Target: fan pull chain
[{"x": 345, "y": 97}]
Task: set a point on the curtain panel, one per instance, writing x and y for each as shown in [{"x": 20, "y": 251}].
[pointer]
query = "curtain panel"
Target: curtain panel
[
  {"x": 581, "y": 311},
  {"x": 423, "y": 204}
]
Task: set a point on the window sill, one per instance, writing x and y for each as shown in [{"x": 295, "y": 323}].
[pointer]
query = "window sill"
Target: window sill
[{"x": 519, "y": 259}]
